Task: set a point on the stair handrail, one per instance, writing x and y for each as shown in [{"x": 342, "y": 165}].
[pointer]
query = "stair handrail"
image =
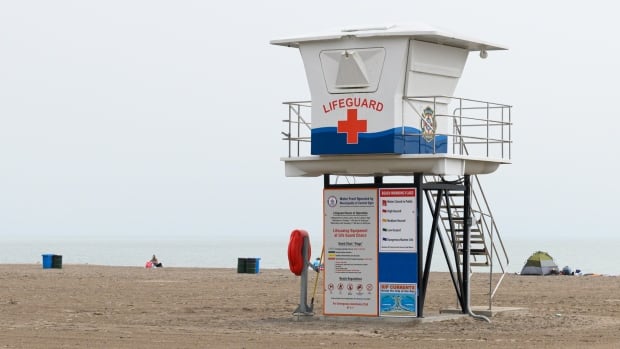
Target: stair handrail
[
  {"x": 487, "y": 208},
  {"x": 491, "y": 229}
]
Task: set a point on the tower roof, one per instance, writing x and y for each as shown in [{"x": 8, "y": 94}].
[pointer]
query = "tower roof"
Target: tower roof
[{"x": 421, "y": 32}]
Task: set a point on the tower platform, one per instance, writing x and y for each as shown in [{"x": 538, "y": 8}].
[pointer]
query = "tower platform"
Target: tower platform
[{"x": 390, "y": 165}]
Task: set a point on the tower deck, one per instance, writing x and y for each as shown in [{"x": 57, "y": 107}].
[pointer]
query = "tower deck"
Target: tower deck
[{"x": 389, "y": 165}]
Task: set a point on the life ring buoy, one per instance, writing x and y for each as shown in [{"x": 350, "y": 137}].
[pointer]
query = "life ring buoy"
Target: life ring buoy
[{"x": 295, "y": 251}]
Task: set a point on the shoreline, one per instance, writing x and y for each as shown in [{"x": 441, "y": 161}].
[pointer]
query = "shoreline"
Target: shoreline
[
  {"x": 590, "y": 256},
  {"x": 39, "y": 264}
]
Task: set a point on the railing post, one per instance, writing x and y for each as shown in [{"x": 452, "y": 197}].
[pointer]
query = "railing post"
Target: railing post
[
  {"x": 460, "y": 127},
  {"x": 435, "y": 132},
  {"x": 502, "y": 130},
  {"x": 290, "y": 129},
  {"x": 298, "y": 128},
  {"x": 491, "y": 268},
  {"x": 488, "y": 129},
  {"x": 509, "y": 133}
]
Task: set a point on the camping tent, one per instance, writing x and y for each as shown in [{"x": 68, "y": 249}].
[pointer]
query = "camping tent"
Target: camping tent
[{"x": 540, "y": 263}]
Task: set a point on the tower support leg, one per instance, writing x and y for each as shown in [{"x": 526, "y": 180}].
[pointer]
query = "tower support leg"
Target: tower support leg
[{"x": 466, "y": 245}]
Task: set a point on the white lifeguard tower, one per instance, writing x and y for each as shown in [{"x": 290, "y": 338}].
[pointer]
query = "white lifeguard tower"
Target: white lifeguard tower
[{"x": 382, "y": 105}]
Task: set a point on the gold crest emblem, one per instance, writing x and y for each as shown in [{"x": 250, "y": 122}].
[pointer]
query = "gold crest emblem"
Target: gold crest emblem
[{"x": 428, "y": 124}]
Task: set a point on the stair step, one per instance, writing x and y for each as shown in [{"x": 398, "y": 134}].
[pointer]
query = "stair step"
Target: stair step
[
  {"x": 475, "y": 264},
  {"x": 453, "y": 206},
  {"x": 478, "y": 264},
  {"x": 455, "y": 193},
  {"x": 471, "y": 230},
  {"x": 471, "y": 242},
  {"x": 454, "y": 218},
  {"x": 475, "y": 251},
  {"x": 472, "y": 235}
]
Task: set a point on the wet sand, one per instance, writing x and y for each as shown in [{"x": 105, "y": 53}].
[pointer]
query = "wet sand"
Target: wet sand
[{"x": 87, "y": 306}]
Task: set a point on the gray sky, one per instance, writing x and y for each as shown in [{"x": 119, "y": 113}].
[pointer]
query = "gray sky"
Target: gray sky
[{"x": 163, "y": 118}]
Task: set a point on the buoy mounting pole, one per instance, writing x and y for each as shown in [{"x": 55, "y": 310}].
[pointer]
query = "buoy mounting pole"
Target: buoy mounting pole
[{"x": 303, "y": 308}]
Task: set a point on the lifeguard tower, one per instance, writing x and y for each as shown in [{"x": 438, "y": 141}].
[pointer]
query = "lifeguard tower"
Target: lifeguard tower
[{"x": 383, "y": 117}]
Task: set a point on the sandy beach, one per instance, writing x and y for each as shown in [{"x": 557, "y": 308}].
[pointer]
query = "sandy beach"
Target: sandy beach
[{"x": 88, "y": 306}]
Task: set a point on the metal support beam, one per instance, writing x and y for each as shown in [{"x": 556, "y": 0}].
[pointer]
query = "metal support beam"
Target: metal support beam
[
  {"x": 455, "y": 248},
  {"x": 458, "y": 282},
  {"x": 431, "y": 246},
  {"x": 418, "y": 179},
  {"x": 455, "y": 279},
  {"x": 465, "y": 290}
]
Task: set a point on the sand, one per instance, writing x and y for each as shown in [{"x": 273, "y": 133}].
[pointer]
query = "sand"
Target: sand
[{"x": 87, "y": 306}]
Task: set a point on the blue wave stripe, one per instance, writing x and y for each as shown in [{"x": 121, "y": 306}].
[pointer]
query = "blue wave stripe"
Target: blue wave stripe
[{"x": 327, "y": 141}]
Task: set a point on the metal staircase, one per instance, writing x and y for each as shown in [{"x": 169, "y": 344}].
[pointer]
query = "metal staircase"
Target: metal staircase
[{"x": 487, "y": 250}]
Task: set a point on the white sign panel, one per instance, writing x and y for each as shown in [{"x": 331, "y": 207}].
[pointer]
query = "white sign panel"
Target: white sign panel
[
  {"x": 350, "y": 235},
  {"x": 397, "y": 220}
]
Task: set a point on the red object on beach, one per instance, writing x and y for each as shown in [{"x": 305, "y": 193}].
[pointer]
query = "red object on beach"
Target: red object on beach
[
  {"x": 149, "y": 265},
  {"x": 295, "y": 251}
]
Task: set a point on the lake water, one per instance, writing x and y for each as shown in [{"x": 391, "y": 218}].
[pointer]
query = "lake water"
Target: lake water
[{"x": 590, "y": 255}]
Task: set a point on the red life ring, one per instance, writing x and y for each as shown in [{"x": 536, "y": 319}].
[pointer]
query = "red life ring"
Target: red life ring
[{"x": 295, "y": 251}]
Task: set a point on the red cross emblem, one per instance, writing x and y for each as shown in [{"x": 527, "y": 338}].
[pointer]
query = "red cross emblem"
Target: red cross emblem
[{"x": 352, "y": 126}]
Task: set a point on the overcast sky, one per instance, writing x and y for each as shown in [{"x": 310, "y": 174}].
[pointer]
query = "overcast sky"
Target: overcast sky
[{"x": 163, "y": 118}]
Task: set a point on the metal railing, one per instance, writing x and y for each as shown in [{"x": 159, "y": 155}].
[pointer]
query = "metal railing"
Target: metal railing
[
  {"x": 298, "y": 128},
  {"x": 489, "y": 229},
  {"x": 478, "y": 128},
  {"x": 484, "y": 223}
]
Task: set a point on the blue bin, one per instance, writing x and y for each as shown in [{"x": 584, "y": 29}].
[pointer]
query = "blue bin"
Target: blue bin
[{"x": 47, "y": 261}]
